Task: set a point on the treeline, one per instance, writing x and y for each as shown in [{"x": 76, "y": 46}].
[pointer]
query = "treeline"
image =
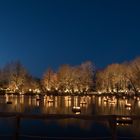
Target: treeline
[
  {"x": 69, "y": 79},
  {"x": 123, "y": 77},
  {"x": 115, "y": 78},
  {"x": 15, "y": 78}
]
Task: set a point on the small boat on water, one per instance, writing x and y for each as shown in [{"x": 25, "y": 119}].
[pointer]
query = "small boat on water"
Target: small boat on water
[
  {"x": 9, "y": 102},
  {"x": 112, "y": 101},
  {"x": 69, "y": 98},
  {"x": 106, "y": 99},
  {"x": 50, "y": 100},
  {"x": 83, "y": 102},
  {"x": 128, "y": 105},
  {"x": 38, "y": 99},
  {"x": 124, "y": 121},
  {"x": 76, "y": 109}
]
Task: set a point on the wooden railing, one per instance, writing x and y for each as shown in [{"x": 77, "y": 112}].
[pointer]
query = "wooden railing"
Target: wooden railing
[{"x": 111, "y": 119}]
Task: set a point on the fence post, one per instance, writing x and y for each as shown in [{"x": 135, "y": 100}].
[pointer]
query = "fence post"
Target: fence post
[
  {"x": 16, "y": 137},
  {"x": 112, "y": 123}
]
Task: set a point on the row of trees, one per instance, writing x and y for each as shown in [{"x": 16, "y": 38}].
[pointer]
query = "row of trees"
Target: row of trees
[
  {"x": 73, "y": 79},
  {"x": 15, "y": 78},
  {"x": 70, "y": 79},
  {"x": 119, "y": 77}
]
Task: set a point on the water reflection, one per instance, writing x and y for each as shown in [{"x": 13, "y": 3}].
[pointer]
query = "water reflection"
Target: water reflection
[{"x": 63, "y": 105}]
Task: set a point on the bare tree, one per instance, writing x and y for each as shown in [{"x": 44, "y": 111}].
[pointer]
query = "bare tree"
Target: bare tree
[
  {"x": 65, "y": 78},
  {"x": 15, "y": 75},
  {"x": 86, "y": 76},
  {"x": 112, "y": 79},
  {"x": 134, "y": 74},
  {"x": 31, "y": 85},
  {"x": 50, "y": 82}
]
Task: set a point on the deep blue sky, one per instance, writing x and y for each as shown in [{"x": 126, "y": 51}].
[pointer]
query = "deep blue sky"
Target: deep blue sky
[{"x": 43, "y": 33}]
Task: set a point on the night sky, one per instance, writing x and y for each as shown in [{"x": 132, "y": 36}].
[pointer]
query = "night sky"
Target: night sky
[{"x": 49, "y": 33}]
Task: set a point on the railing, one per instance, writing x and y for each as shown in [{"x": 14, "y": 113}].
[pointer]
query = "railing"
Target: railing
[{"x": 111, "y": 119}]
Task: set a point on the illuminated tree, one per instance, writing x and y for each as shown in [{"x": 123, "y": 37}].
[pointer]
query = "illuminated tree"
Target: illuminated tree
[
  {"x": 85, "y": 76},
  {"x": 101, "y": 81},
  {"x": 15, "y": 75},
  {"x": 134, "y": 74},
  {"x": 76, "y": 79},
  {"x": 31, "y": 85},
  {"x": 112, "y": 79},
  {"x": 50, "y": 82},
  {"x": 65, "y": 78}
]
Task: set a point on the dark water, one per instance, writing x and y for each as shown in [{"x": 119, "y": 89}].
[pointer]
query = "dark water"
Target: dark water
[{"x": 67, "y": 127}]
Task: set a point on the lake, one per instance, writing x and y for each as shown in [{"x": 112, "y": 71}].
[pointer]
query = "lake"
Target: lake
[{"x": 72, "y": 128}]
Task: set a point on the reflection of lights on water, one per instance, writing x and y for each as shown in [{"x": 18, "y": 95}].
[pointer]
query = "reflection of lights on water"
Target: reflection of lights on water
[
  {"x": 139, "y": 104},
  {"x": 67, "y": 101},
  {"x": 128, "y": 108},
  {"x": 127, "y": 105},
  {"x": 105, "y": 103},
  {"x": 22, "y": 99},
  {"x": 88, "y": 99},
  {"x": 7, "y": 97},
  {"x": 113, "y": 101},
  {"x": 50, "y": 104},
  {"x": 83, "y": 101},
  {"x": 50, "y": 100},
  {"x": 56, "y": 102},
  {"x": 16, "y": 101},
  {"x": 67, "y": 104},
  {"x": 30, "y": 100},
  {"x": 99, "y": 101},
  {"x": 64, "y": 103},
  {"x": 122, "y": 124},
  {"x": 124, "y": 121},
  {"x": 76, "y": 101},
  {"x": 37, "y": 103},
  {"x": 105, "y": 99},
  {"x": 93, "y": 97}
]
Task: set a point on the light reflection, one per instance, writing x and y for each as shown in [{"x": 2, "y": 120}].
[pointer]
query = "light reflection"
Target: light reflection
[
  {"x": 7, "y": 98},
  {"x": 84, "y": 101},
  {"x": 64, "y": 104},
  {"x": 16, "y": 101},
  {"x": 37, "y": 103},
  {"x": 56, "y": 102},
  {"x": 30, "y": 101},
  {"x": 99, "y": 101},
  {"x": 76, "y": 101},
  {"x": 139, "y": 104},
  {"x": 22, "y": 99},
  {"x": 67, "y": 101}
]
